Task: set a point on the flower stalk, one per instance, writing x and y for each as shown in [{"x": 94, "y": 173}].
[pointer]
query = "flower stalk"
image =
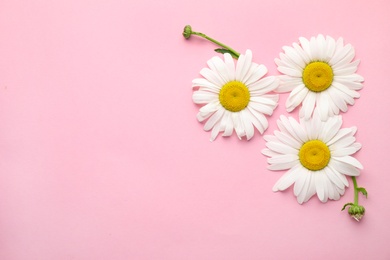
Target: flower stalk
[
  {"x": 355, "y": 210},
  {"x": 187, "y": 32}
]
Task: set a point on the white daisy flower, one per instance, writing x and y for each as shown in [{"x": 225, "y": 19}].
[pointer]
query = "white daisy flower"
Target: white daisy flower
[
  {"x": 317, "y": 155},
  {"x": 236, "y": 96},
  {"x": 319, "y": 73}
]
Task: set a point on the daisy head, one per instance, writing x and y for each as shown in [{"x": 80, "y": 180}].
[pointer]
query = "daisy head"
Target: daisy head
[
  {"x": 319, "y": 73},
  {"x": 317, "y": 155},
  {"x": 235, "y": 96}
]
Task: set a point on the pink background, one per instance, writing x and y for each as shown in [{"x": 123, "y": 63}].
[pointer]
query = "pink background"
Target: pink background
[{"x": 101, "y": 156}]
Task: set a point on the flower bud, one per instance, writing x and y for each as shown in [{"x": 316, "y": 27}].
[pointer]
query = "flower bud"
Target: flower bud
[
  {"x": 187, "y": 31},
  {"x": 356, "y": 212}
]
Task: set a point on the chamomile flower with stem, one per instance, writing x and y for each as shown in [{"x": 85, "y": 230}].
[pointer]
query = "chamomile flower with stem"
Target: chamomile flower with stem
[
  {"x": 236, "y": 95},
  {"x": 316, "y": 154}
]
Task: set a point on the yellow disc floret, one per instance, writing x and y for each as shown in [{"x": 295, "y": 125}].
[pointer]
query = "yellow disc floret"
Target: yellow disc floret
[
  {"x": 314, "y": 155},
  {"x": 317, "y": 76},
  {"x": 234, "y": 96}
]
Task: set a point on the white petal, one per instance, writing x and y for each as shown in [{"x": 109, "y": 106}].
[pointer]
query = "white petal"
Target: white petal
[
  {"x": 300, "y": 182},
  {"x": 200, "y": 82},
  {"x": 257, "y": 73},
  {"x": 325, "y": 181},
  {"x": 335, "y": 190},
  {"x": 320, "y": 186},
  {"x": 330, "y": 128},
  {"x": 349, "y": 160},
  {"x": 214, "y": 119},
  {"x": 288, "y": 178},
  {"x": 255, "y": 121},
  {"x": 350, "y": 78},
  {"x": 346, "y": 90},
  {"x": 301, "y": 53},
  {"x": 341, "y": 52},
  {"x": 203, "y": 97},
  {"x": 331, "y": 191},
  {"x": 321, "y": 44},
  {"x": 212, "y": 76},
  {"x": 308, "y": 104},
  {"x": 281, "y": 148},
  {"x": 219, "y": 67},
  {"x": 346, "y": 62},
  {"x": 340, "y": 191},
  {"x": 268, "y": 152},
  {"x": 322, "y": 103},
  {"x": 243, "y": 64},
  {"x": 282, "y": 166},
  {"x": 331, "y": 47},
  {"x": 333, "y": 176},
  {"x": 263, "y": 86},
  {"x": 271, "y": 138},
  {"x": 285, "y": 125},
  {"x": 229, "y": 125},
  {"x": 237, "y": 125},
  {"x": 311, "y": 128},
  {"x": 215, "y": 131},
  {"x": 347, "y": 69},
  {"x": 296, "y": 97},
  {"x": 337, "y": 99},
  {"x": 311, "y": 190},
  {"x": 306, "y": 47},
  {"x": 288, "y": 62},
  {"x": 230, "y": 66},
  {"x": 298, "y": 129},
  {"x": 314, "y": 49},
  {"x": 203, "y": 116},
  {"x": 290, "y": 71},
  {"x": 288, "y": 140},
  {"x": 346, "y": 81},
  {"x": 342, "y": 143},
  {"x": 262, "y": 119},
  {"x": 287, "y": 83},
  {"x": 306, "y": 188},
  {"x": 344, "y": 168},
  {"x": 264, "y": 109},
  {"x": 264, "y": 101},
  {"x": 294, "y": 56},
  {"x": 341, "y": 134},
  {"x": 249, "y": 129},
  {"x": 210, "y": 107},
  {"x": 283, "y": 158},
  {"x": 337, "y": 173},
  {"x": 344, "y": 151}
]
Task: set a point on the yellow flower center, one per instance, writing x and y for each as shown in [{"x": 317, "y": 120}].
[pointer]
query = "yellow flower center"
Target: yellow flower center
[
  {"x": 317, "y": 76},
  {"x": 314, "y": 155},
  {"x": 234, "y": 96}
]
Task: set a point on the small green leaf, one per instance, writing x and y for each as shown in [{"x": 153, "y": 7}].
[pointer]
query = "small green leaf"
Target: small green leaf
[
  {"x": 363, "y": 191},
  {"x": 226, "y": 51},
  {"x": 348, "y": 204}
]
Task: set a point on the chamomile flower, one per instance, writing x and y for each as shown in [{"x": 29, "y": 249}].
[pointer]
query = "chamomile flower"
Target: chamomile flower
[
  {"x": 319, "y": 73},
  {"x": 317, "y": 155},
  {"x": 235, "y": 96}
]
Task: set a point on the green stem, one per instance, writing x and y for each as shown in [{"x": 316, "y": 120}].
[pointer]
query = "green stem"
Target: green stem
[
  {"x": 216, "y": 42},
  {"x": 355, "y": 188}
]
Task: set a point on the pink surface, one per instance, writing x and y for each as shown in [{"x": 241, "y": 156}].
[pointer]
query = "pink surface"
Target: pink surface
[{"x": 101, "y": 156}]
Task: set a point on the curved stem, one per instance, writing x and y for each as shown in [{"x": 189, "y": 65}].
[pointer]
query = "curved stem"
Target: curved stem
[
  {"x": 216, "y": 42},
  {"x": 355, "y": 188}
]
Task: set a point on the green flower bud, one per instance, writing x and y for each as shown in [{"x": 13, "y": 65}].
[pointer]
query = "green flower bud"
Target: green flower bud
[
  {"x": 187, "y": 31},
  {"x": 356, "y": 212}
]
